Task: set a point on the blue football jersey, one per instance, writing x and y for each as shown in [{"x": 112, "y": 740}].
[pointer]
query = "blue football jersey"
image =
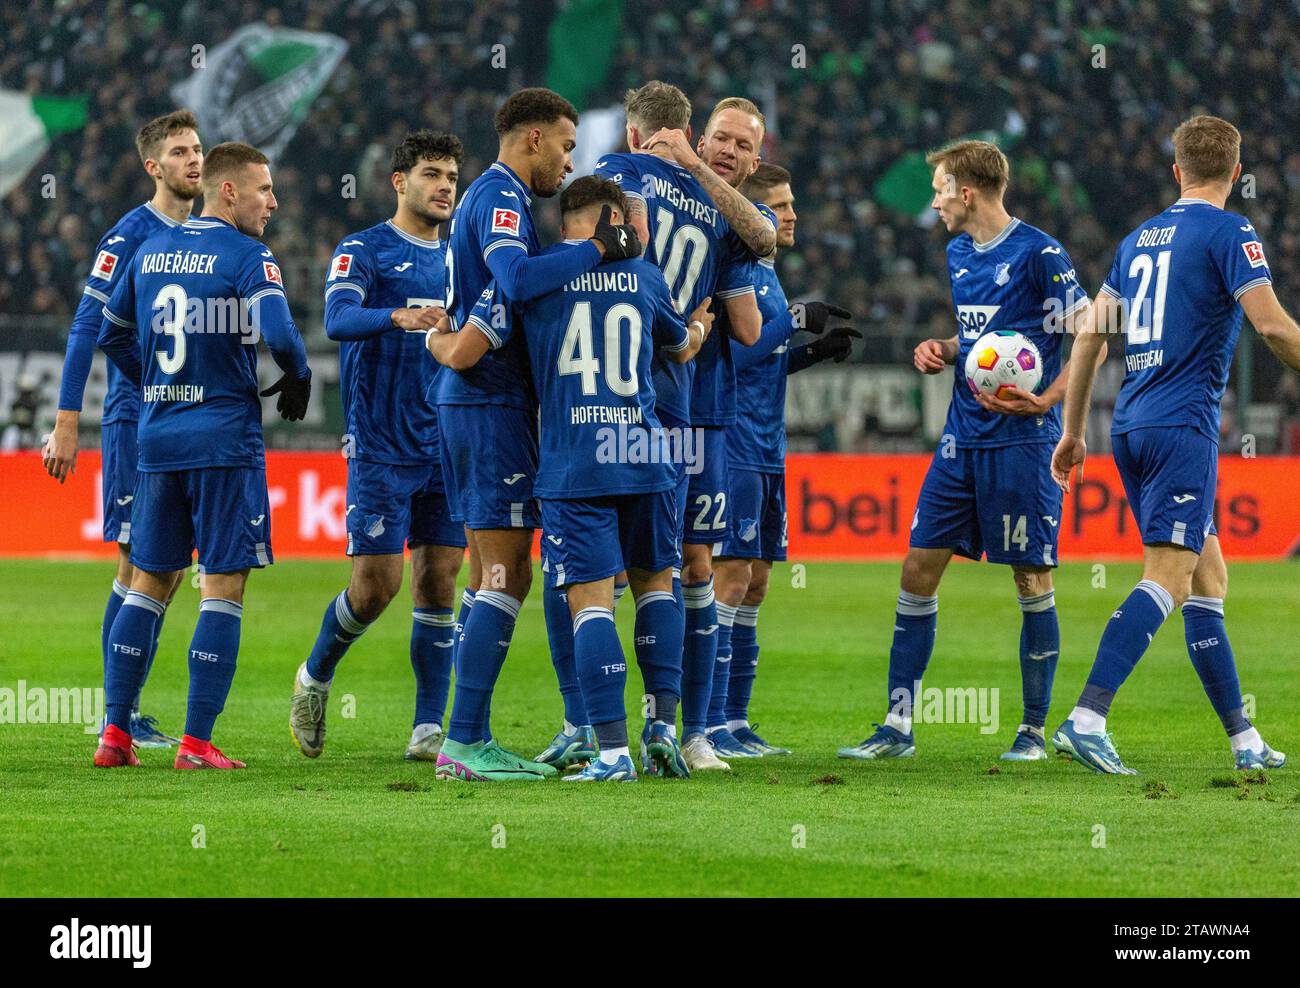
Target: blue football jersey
[
  {"x": 757, "y": 439},
  {"x": 1021, "y": 280},
  {"x": 385, "y": 379},
  {"x": 494, "y": 214},
  {"x": 193, "y": 297},
  {"x": 590, "y": 344},
  {"x": 112, "y": 256},
  {"x": 1179, "y": 277},
  {"x": 700, "y": 257}
]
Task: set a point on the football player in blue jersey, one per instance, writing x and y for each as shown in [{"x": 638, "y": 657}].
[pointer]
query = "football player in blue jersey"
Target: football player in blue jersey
[
  {"x": 172, "y": 154},
  {"x": 179, "y": 325},
  {"x": 989, "y": 490},
  {"x": 756, "y": 530},
  {"x": 1177, "y": 289},
  {"x": 606, "y": 478},
  {"x": 706, "y": 237},
  {"x": 385, "y": 289},
  {"x": 487, "y": 413}
]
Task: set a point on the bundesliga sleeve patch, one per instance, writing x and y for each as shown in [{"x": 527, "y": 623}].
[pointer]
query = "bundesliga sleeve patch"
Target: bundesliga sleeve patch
[
  {"x": 340, "y": 267},
  {"x": 272, "y": 272},
  {"x": 505, "y": 221},
  {"x": 105, "y": 265},
  {"x": 1254, "y": 253}
]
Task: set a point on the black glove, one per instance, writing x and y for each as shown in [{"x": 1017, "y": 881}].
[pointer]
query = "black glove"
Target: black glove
[
  {"x": 812, "y": 317},
  {"x": 835, "y": 345},
  {"x": 620, "y": 242},
  {"x": 293, "y": 392}
]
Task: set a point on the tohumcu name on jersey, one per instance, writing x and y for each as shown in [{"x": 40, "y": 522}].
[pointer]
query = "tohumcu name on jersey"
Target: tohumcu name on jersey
[
  {"x": 178, "y": 262},
  {"x": 624, "y": 282}
]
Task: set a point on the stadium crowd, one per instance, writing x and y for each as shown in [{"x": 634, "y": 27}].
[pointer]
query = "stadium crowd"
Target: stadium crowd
[{"x": 1084, "y": 110}]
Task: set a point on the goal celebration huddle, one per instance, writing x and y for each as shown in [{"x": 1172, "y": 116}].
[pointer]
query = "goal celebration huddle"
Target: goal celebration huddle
[{"x": 622, "y": 392}]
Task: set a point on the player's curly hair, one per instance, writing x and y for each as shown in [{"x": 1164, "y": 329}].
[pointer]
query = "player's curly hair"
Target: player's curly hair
[
  {"x": 592, "y": 190},
  {"x": 533, "y": 106},
  {"x": 426, "y": 145},
  {"x": 149, "y": 139}
]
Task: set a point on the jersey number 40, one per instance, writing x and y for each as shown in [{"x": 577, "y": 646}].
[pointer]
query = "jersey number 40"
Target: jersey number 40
[{"x": 577, "y": 355}]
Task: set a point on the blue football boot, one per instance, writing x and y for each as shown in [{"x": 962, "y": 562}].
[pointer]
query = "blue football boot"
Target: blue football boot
[
  {"x": 1096, "y": 751},
  {"x": 569, "y": 750},
  {"x": 597, "y": 771},
  {"x": 1029, "y": 746},
  {"x": 885, "y": 743},
  {"x": 748, "y": 736}
]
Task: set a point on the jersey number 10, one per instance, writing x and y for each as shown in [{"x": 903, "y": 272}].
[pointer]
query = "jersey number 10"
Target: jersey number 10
[{"x": 672, "y": 258}]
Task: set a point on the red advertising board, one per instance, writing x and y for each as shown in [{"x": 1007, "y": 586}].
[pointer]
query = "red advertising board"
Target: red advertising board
[{"x": 840, "y": 507}]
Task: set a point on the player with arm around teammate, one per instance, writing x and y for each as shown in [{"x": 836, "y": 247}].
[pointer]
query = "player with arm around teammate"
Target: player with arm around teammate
[
  {"x": 1178, "y": 286},
  {"x": 487, "y": 413}
]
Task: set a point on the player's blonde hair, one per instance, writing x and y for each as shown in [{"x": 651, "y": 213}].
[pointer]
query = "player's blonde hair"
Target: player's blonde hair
[
  {"x": 224, "y": 160},
  {"x": 657, "y": 106},
  {"x": 744, "y": 106},
  {"x": 1207, "y": 149},
  {"x": 976, "y": 163}
]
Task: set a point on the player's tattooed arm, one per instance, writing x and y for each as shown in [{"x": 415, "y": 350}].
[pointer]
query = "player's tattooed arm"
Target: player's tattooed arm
[
  {"x": 1271, "y": 321},
  {"x": 639, "y": 219},
  {"x": 932, "y": 356},
  {"x": 742, "y": 215}
]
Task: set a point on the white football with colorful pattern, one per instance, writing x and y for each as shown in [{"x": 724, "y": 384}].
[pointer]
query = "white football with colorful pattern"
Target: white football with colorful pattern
[{"x": 1001, "y": 360}]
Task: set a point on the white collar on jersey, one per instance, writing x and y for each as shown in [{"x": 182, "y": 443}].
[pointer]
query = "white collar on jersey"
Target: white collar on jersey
[
  {"x": 202, "y": 223},
  {"x": 1186, "y": 201},
  {"x": 1006, "y": 232},
  {"x": 160, "y": 214},
  {"x": 514, "y": 179},
  {"x": 418, "y": 241},
  {"x": 577, "y": 241},
  {"x": 768, "y": 262}
]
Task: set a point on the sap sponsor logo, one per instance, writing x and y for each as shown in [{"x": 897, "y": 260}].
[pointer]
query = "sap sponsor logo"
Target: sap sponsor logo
[
  {"x": 132, "y": 942},
  {"x": 975, "y": 320}
]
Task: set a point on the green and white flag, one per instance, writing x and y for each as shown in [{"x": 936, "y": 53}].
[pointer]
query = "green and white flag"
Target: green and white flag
[
  {"x": 258, "y": 85},
  {"x": 27, "y": 125}
]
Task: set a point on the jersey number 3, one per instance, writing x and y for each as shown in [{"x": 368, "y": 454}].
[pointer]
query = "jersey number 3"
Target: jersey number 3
[{"x": 170, "y": 305}]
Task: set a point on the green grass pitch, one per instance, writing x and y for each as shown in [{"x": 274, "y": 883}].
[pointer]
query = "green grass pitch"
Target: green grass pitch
[{"x": 951, "y": 822}]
